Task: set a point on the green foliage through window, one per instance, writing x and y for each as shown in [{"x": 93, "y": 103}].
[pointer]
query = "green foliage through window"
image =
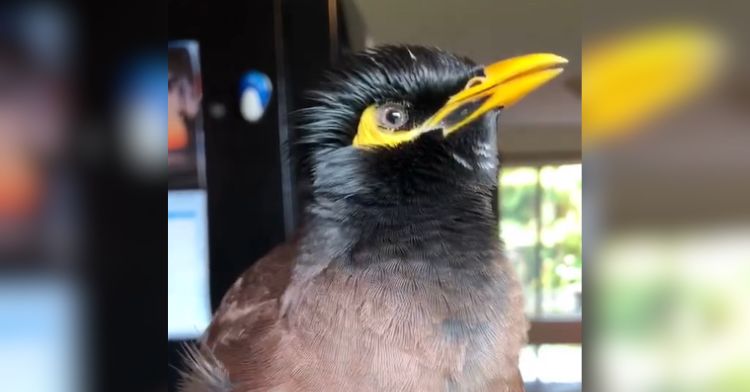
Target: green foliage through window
[{"x": 541, "y": 229}]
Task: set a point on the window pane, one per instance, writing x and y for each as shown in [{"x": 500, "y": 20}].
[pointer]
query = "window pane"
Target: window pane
[
  {"x": 561, "y": 240},
  {"x": 552, "y": 367},
  {"x": 519, "y": 225},
  {"x": 541, "y": 228}
]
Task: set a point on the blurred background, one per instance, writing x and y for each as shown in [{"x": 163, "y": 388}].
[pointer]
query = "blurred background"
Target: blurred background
[
  {"x": 236, "y": 72},
  {"x": 666, "y": 190},
  {"x": 82, "y": 180},
  {"x": 644, "y": 139}
]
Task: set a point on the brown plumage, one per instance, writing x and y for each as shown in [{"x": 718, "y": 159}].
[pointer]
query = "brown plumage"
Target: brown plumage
[
  {"x": 335, "y": 331},
  {"x": 398, "y": 281}
]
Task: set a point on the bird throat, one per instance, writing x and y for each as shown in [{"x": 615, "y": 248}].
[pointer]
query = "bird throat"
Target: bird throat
[{"x": 452, "y": 229}]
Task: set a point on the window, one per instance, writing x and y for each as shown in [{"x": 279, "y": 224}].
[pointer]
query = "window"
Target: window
[{"x": 541, "y": 227}]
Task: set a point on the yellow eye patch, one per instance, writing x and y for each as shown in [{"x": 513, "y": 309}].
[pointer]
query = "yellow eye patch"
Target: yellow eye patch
[
  {"x": 371, "y": 134},
  {"x": 503, "y": 84}
]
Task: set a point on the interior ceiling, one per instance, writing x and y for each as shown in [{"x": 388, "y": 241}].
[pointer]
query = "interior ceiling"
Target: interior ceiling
[{"x": 486, "y": 31}]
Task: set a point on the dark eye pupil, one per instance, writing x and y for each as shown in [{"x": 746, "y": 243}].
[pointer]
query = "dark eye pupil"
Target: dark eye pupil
[{"x": 392, "y": 116}]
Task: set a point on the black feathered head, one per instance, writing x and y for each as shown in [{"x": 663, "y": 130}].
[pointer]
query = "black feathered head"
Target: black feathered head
[{"x": 398, "y": 125}]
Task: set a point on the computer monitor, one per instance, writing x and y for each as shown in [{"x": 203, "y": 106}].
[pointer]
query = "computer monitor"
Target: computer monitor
[{"x": 189, "y": 298}]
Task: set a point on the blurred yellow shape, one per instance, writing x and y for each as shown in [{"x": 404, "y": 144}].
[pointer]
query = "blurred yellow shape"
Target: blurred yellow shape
[{"x": 631, "y": 78}]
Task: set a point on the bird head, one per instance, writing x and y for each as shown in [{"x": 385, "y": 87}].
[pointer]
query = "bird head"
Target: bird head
[{"x": 403, "y": 124}]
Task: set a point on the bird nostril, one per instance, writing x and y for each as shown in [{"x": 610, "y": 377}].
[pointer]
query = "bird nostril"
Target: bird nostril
[{"x": 473, "y": 82}]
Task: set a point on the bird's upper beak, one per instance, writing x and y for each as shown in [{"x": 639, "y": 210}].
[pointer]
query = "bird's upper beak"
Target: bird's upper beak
[{"x": 503, "y": 84}]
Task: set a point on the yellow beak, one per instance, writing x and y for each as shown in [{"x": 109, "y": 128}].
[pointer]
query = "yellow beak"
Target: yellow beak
[{"x": 503, "y": 84}]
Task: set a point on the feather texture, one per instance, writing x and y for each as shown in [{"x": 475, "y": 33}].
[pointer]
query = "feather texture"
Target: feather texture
[
  {"x": 203, "y": 372},
  {"x": 398, "y": 281}
]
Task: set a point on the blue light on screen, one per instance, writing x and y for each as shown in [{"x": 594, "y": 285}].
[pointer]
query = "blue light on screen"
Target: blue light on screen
[
  {"x": 41, "y": 344},
  {"x": 188, "y": 274}
]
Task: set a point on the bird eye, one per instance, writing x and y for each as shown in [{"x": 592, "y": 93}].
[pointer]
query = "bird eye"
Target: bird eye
[{"x": 392, "y": 116}]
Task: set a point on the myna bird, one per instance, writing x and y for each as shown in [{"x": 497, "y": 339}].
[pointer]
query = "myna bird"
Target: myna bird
[{"x": 398, "y": 280}]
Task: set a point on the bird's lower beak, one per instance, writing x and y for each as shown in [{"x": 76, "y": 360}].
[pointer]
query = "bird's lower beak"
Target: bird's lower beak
[{"x": 503, "y": 84}]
